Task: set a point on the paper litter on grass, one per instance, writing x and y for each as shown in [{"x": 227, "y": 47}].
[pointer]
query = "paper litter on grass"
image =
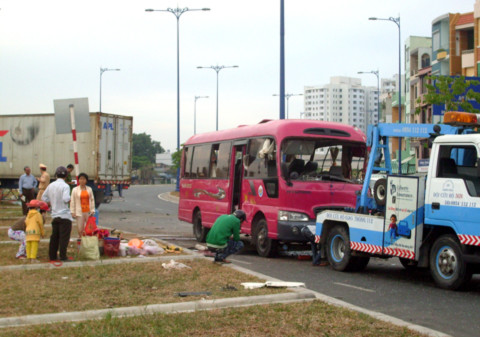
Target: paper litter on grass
[
  {"x": 175, "y": 265},
  {"x": 272, "y": 284}
]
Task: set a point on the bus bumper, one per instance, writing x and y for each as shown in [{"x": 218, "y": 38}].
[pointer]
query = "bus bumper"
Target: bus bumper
[{"x": 292, "y": 230}]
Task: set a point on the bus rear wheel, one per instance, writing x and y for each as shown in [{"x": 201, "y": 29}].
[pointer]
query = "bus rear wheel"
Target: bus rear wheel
[
  {"x": 199, "y": 231},
  {"x": 265, "y": 246}
]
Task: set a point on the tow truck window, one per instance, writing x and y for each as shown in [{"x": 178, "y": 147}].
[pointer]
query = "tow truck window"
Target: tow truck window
[{"x": 312, "y": 160}]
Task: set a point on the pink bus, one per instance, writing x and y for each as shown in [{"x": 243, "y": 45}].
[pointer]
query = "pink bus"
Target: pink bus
[{"x": 280, "y": 172}]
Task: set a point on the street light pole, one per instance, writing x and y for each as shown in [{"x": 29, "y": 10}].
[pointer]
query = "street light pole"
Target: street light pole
[
  {"x": 102, "y": 70},
  {"x": 195, "y": 113},
  {"x": 376, "y": 73},
  {"x": 178, "y": 13},
  {"x": 397, "y": 22},
  {"x": 287, "y": 97},
  {"x": 217, "y": 70},
  {"x": 282, "y": 59}
]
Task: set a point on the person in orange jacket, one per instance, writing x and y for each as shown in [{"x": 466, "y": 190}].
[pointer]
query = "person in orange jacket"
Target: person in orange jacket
[{"x": 82, "y": 203}]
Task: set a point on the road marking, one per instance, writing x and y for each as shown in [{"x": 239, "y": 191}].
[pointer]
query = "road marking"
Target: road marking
[
  {"x": 354, "y": 287},
  {"x": 240, "y": 261}
]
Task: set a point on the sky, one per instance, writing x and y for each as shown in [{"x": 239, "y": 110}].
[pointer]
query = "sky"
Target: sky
[{"x": 54, "y": 49}]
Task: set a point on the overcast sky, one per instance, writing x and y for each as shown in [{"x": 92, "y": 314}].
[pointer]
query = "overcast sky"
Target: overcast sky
[{"x": 54, "y": 49}]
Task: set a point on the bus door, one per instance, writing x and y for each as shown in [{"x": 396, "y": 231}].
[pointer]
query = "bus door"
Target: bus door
[{"x": 238, "y": 152}]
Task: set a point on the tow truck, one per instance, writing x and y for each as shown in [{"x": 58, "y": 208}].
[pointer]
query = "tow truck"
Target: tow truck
[{"x": 427, "y": 221}]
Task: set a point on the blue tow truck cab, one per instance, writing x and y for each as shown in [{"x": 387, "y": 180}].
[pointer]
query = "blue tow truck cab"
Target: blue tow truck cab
[{"x": 427, "y": 220}]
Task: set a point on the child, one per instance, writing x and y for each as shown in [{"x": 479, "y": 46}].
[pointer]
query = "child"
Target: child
[
  {"x": 34, "y": 230},
  {"x": 393, "y": 228}
]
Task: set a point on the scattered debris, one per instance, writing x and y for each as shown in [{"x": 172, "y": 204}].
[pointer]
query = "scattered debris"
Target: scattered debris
[
  {"x": 229, "y": 288},
  {"x": 194, "y": 293},
  {"x": 272, "y": 284},
  {"x": 174, "y": 265}
]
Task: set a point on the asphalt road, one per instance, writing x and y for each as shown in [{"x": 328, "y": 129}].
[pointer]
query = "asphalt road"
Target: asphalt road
[{"x": 384, "y": 286}]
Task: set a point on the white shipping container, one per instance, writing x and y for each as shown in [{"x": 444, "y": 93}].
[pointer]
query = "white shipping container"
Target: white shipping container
[{"x": 105, "y": 153}]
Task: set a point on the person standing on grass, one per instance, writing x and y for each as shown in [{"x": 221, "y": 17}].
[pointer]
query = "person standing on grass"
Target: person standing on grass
[
  {"x": 33, "y": 230},
  {"x": 224, "y": 236},
  {"x": 82, "y": 204},
  {"x": 58, "y": 195},
  {"x": 26, "y": 188},
  {"x": 43, "y": 181}
]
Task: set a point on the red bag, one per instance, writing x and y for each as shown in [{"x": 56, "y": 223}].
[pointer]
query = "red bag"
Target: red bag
[{"x": 91, "y": 226}]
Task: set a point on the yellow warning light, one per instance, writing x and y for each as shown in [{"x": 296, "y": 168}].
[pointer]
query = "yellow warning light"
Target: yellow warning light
[{"x": 459, "y": 118}]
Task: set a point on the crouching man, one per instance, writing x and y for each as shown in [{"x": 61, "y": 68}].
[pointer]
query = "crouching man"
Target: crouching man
[{"x": 224, "y": 236}]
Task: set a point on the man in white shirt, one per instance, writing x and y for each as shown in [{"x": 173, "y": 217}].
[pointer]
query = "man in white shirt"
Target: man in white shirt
[{"x": 58, "y": 195}]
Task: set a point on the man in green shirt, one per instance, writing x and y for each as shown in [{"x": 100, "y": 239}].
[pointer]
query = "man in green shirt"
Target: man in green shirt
[{"x": 224, "y": 236}]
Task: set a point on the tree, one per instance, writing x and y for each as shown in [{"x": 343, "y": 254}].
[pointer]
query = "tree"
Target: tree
[
  {"x": 144, "y": 150},
  {"x": 451, "y": 92}
]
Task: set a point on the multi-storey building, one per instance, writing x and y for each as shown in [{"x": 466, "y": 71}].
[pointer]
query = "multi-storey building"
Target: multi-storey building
[{"x": 343, "y": 100}]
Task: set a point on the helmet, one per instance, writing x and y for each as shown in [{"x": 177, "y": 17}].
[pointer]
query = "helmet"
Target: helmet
[
  {"x": 34, "y": 203},
  {"x": 240, "y": 215},
  {"x": 44, "y": 206}
]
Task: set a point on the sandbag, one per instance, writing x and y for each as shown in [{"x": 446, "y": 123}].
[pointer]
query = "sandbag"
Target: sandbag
[{"x": 89, "y": 248}]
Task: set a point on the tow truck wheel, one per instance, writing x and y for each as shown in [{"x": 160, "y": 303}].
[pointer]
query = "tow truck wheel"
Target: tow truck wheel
[
  {"x": 380, "y": 191},
  {"x": 447, "y": 265},
  {"x": 408, "y": 264},
  {"x": 199, "y": 231},
  {"x": 266, "y": 246},
  {"x": 338, "y": 249}
]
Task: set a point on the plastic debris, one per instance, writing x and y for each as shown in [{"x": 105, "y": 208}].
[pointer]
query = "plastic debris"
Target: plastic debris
[
  {"x": 272, "y": 284},
  {"x": 253, "y": 285},
  {"x": 175, "y": 265},
  {"x": 194, "y": 293}
]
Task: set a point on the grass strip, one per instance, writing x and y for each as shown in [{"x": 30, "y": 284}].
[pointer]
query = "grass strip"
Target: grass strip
[
  {"x": 109, "y": 286},
  {"x": 296, "y": 319}
]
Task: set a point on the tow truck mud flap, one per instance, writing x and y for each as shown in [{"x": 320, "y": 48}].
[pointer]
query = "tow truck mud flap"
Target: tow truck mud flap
[{"x": 404, "y": 215}]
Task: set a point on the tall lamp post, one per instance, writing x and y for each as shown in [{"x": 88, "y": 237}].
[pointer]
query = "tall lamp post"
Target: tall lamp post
[
  {"x": 376, "y": 73},
  {"x": 102, "y": 70},
  {"x": 177, "y": 12},
  {"x": 287, "y": 97},
  {"x": 195, "y": 113},
  {"x": 397, "y": 22},
  {"x": 217, "y": 70}
]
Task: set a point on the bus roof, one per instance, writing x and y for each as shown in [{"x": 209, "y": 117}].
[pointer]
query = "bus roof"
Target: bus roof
[{"x": 284, "y": 128}]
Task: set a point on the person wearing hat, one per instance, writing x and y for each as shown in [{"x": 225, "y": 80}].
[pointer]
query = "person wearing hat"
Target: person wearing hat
[
  {"x": 58, "y": 195},
  {"x": 43, "y": 181}
]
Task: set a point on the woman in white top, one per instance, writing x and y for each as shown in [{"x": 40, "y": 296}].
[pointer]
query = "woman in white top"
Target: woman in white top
[{"x": 82, "y": 203}]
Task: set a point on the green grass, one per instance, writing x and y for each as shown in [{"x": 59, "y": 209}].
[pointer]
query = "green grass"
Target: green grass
[{"x": 297, "y": 320}]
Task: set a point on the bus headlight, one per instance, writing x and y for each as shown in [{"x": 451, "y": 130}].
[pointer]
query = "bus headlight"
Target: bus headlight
[{"x": 292, "y": 216}]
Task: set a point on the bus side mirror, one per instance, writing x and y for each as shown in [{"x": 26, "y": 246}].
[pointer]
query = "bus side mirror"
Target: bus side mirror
[{"x": 284, "y": 169}]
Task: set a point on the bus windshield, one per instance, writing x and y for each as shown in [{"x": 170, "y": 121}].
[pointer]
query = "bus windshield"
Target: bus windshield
[{"x": 322, "y": 159}]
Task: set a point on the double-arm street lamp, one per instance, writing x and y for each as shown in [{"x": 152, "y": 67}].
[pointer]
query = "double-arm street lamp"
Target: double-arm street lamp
[
  {"x": 397, "y": 22},
  {"x": 178, "y": 12},
  {"x": 195, "y": 113},
  {"x": 102, "y": 70},
  {"x": 217, "y": 69},
  {"x": 376, "y": 73},
  {"x": 287, "y": 97}
]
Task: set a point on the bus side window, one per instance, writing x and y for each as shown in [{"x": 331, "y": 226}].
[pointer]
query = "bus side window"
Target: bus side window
[
  {"x": 222, "y": 160},
  {"x": 261, "y": 159},
  {"x": 187, "y": 162},
  {"x": 201, "y": 161}
]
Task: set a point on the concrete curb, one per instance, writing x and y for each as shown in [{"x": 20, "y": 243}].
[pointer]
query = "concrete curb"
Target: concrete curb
[
  {"x": 167, "y": 308},
  {"x": 99, "y": 263},
  {"x": 167, "y": 197}
]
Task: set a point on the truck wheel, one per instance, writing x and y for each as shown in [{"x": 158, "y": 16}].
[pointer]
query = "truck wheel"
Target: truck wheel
[
  {"x": 380, "y": 191},
  {"x": 447, "y": 265},
  {"x": 266, "y": 246},
  {"x": 199, "y": 231},
  {"x": 338, "y": 249}
]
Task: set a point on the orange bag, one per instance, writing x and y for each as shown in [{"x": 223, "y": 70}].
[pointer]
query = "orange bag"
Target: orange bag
[{"x": 91, "y": 226}]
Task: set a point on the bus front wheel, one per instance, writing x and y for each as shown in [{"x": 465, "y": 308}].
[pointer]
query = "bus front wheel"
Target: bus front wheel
[
  {"x": 199, "y": 231},
  {"x": 266, "y": 246}
]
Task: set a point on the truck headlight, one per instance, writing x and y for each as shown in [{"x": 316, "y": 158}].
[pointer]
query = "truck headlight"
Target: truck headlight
[{"x": 292, "y": 216}]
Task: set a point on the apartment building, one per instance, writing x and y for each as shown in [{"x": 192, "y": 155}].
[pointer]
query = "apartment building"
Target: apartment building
[{"x": 343, "y": 100}]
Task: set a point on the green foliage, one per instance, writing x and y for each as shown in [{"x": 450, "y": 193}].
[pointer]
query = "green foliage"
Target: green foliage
[
  {"x": 450, "y": 92},
  {"x": 144, "y": 150}
]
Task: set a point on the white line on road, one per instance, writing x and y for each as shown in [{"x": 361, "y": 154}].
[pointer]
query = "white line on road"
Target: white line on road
[
  {"x": 354, "y": 287},
  {"x": 240, "y": 261}
]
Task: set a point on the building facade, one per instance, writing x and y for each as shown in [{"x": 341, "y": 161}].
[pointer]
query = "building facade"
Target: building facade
[{"x": 343, "y": 100}]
